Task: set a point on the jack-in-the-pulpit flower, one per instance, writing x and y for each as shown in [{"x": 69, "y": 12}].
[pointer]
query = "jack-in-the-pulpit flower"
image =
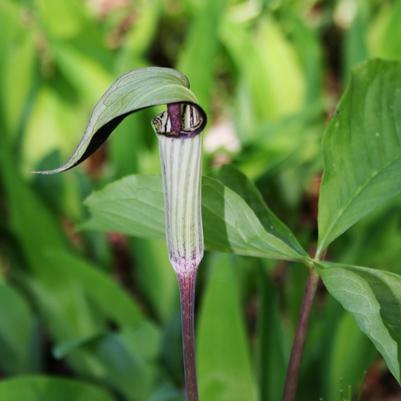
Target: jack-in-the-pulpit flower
[
  {"x": 180, "y": 158},
  {"x": 180, "y": 147},
  {"x": 180, "y": 144}
]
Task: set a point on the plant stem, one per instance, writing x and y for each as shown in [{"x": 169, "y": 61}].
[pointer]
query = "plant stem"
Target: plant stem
[
  {"x": 186, "y": 282},
  {"x": 294, "y": 365}
]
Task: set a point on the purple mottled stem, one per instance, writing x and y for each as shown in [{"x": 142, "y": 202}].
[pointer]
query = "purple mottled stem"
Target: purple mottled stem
[
  {"x": 291, "y": 383},
  {"x": 174, "y": 113},
  {"x": 186, "y": 281}
]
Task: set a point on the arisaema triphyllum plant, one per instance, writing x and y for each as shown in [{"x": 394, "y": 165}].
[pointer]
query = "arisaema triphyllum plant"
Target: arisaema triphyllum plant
[
  {"x": 178, "y": 130},
  {"x": 361, "y": 157}
]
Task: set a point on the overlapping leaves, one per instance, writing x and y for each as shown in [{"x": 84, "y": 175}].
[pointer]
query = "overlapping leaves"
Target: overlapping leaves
[{"x": 134, "y": 205}]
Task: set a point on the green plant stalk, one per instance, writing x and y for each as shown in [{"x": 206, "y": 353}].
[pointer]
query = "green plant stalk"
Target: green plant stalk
[{"x": 180, "y": 156}]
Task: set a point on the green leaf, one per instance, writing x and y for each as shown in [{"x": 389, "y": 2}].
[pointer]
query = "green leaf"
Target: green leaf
[
  {"x": 18, "y": 333},
  {"x": 42, "y": 388},
  {"x": 134, "y": 206},
  {"x": 374, "y": 299},
  {"x": 224, "y": 362},
  {"x": 136, "y": 90},
  {"x": 362, "y": 150},
  {"x": 239, "y": 183}
]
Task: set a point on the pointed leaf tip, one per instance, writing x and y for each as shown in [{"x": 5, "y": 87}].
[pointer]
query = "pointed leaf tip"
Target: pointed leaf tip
[{"x": 133, "y": 91}]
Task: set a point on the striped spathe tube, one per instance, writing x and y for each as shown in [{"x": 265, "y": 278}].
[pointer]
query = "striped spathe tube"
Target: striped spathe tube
[{"x": 180, "y": 156}]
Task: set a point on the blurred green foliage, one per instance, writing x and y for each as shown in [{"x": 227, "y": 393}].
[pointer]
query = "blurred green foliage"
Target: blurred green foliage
[{"x": 102, "y": 309}]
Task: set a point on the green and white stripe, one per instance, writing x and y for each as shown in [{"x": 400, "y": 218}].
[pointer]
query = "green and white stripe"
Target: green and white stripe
[{"x": 181, "y": 172}]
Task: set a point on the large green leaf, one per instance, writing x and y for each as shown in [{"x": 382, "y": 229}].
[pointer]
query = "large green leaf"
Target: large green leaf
[
  {"x": 374, "y": 298},
  {"x": 42, "y": 388},
  {"x": 133, "y": 91},
  {"x": 362, "y": 150},
  {"x": 225, "y": 372},
  {"x": 134, "y": 205}
]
